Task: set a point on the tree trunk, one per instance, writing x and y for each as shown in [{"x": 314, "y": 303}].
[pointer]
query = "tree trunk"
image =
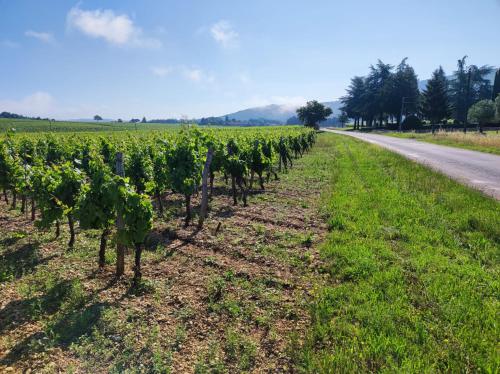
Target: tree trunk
[
  {"x": 71, "y": 225},
  {"x": 188, "y": 210},
  {"x": 23, "y": 203},
  {"x": 137, "y": 265},
  {"x": 33, "y": 209},
  {"x": 120, "y": 225},
  {"x": 102, "y": 247},
  {"x": 58, "y": 229},
  {"x": 212, "y": 177},
  {"x": 5, "y": 196},
  {"x": 14, "y": 200}
]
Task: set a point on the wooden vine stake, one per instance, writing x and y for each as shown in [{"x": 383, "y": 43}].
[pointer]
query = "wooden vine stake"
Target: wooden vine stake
[
  {"x": 204, "y": 188},
  {"x": 120, "y": 225}
]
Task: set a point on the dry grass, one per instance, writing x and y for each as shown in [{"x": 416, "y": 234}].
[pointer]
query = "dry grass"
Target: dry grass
[{"x": 488, "y": 142}]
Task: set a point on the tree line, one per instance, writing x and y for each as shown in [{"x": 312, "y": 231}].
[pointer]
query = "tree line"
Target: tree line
[{"x": 390, "y": 93}]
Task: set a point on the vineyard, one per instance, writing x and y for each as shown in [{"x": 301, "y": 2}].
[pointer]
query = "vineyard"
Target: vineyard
[{"x": 116, "y": 183}]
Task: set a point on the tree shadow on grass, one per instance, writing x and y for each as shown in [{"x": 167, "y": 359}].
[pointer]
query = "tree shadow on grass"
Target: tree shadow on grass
[
  {"x": 23, "y": 260},
  {"x": 19, "y": 312},
  {"x": 61, "y": 333}
]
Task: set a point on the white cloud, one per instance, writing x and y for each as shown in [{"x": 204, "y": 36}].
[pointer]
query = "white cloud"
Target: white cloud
[
  {"x": 244, "y": 78},
  {"x": 198, "y": 75},
  {"x": 9, "y": 44},
  {"x": 116, "y": 29},
  {"x": 286, "y": 103},
  {"x": 224, "y": 34},
  {"x": 161, "y": 71},
  {"x": 45, "y": 37},
  {"x": 38, "y": 104}
]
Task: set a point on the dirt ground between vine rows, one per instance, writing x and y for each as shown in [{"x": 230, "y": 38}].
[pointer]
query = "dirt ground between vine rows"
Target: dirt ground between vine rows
[{"x": 231, "y": 298}]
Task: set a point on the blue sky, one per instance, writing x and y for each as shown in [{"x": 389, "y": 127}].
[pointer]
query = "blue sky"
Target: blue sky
[{"x": 160, "y": 59}]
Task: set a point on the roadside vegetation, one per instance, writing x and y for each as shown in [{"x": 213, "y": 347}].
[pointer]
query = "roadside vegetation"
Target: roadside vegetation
[
  {"x": 413, "y": 270},
  {"x": 488, "y": 142}
]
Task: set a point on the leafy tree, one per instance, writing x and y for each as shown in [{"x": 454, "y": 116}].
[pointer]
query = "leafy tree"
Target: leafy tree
[
  {"x": 379, "y": 84},
  {"x": 343, "y": 119},
  {"x": 404, "y": 87},
  {"x": 469, "y": 85},
  {"x": 435, "y": 102},
  {"x": 313, "y": 113},
  {"x": 119, "y": 120},
  {"x": 97, "y": 118},
  {"x": 354, "y": 103},
  {"x": 497, "y": 107},
  {"x": 96, "y": 205},
  {"x": 143, "y": 120},
  {"x": 482, "y": 112},
  {"x": 496, "y": 85}
]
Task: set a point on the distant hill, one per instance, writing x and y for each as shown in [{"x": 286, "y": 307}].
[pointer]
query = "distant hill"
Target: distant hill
[{"x": 275, "y": 112}]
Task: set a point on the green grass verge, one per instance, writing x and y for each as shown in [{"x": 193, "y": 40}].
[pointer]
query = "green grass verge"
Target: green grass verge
[
  {"x": 413, "y": 270},
  {"x": 489, "y": 143}
]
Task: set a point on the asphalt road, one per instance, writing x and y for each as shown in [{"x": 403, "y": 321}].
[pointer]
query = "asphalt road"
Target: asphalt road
[{"x": 476, "y": 169}]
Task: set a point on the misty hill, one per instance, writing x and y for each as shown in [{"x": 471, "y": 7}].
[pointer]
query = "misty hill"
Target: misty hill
[{"x": 275, "y": 112}]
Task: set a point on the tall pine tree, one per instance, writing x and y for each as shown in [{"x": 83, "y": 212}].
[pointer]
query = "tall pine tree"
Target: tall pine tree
[
  {"x": 496, "y": 85},
  {"x": 435, "y": 102}
]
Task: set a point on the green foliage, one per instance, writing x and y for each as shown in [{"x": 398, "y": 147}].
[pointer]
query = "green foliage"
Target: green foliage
[
  {"x": 313, "y": 113},
  {"x": 497, "y": 107},
  {"x": 482, "y": 112},
  {"x": 496, "y": 85},
  {"x": 60, "y": 186},
  {"x": 382, "y": 95},
  {"x": 185, "y": 164},
  {"x": 138, "y": 218},
  {"x": 469, "y": 85},
  {"x": 139, "y": 168},
  {"x": 435, "y": 101},
  {"x": 343, "y": 118},
  {"x": 411, "y": 122},
  {"x": 96, "y": 206}
]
